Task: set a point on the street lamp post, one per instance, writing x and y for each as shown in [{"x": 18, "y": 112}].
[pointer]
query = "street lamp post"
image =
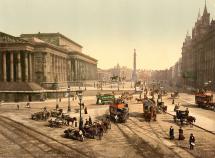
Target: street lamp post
[
  {"x": 80, "y": 96},
  {"x": 101, "y": 85},
  {"x": 69, "y": 106},
  {"x": 56, "y": 93}
]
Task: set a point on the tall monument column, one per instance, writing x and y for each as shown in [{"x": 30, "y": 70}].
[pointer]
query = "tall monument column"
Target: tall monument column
[
  {"x": 4, "y": 66},
  {"x": 11, "y": 67},
  {"x": 134, "y": 74}
]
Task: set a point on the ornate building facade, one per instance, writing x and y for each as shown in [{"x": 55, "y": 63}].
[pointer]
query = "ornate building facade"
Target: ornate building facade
[
  {"x": 32, "y": 59},
  {"x": 198, "y": 53}
]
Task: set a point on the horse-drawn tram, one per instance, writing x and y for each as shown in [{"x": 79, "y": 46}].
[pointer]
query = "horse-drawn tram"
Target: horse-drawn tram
[
  {"x": 149, "y": 110},
  {"x": 205, "y": 100},
  {"x": 105, "y": 99},
  {"x": 119, "y": 111}
]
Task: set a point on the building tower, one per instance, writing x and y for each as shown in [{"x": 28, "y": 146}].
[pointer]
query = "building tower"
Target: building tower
[{"x": 134, "y": 73}]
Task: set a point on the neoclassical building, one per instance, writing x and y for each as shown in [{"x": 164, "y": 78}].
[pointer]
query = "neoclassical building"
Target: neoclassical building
[
  {"x": 198, "y": 53},
  {"x": 28, "y": 61}
]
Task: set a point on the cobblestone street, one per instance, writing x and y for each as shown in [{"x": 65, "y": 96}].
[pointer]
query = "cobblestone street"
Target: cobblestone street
[{"x": 135, "y": 138}]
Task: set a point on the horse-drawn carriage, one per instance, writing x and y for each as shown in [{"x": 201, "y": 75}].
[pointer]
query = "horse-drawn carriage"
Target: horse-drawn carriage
[
  {"x": 119, "y": 111},
  {"x": 175, "y": 94},
  {"x": 73, "y": 133},
  {"x": 41, "y": 115},
  {"x": 56, "y": 112},
  {"x": 57, "y": 122},
  {"x": 96, "y": 129},
  {"x": 149, "y": 110},
  {"x": 182, "y": 116},
  {"x": 161, "y": 107},
  {"x": 105, "y": 99}
]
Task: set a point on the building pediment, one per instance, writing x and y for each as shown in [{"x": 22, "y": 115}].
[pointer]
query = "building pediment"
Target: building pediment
[{"x": 5, "y": 38}]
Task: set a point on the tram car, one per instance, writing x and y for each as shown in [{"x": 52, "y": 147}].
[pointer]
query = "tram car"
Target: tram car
[{"x": 119, "y": 111}]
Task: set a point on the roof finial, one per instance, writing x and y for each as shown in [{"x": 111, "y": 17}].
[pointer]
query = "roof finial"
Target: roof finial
[{"x": 205, "y": 10}]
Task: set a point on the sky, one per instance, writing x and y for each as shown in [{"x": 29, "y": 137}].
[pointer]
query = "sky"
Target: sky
[{"x": 109, "y": 30}]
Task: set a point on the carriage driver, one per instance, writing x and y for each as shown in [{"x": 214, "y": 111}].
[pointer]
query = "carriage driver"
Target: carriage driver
[
  {"x": 187, "y": 111},
  {"x": 116, "y": 118}
]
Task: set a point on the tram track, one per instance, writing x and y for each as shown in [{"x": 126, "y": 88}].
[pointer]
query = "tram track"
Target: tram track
[
  {"x": 34, "y": 142},
  {"x": 142, "y": 147},
  {"x": 159, "y": 134},
  {"x": 155, "y": 139}
]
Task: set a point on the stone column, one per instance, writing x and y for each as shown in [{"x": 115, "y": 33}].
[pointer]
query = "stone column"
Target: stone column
[
  {"x": 53, "y": 66},
  {"x": 11, "y": 67},
  {"x": 30, "y": 66},
  {"x": 19, "y": 74},
  {"x": 75, "y": 70},
  {"x": 4, "y": 66},
  {"x": 61, "y": 68},
  {"x": 57, "y": 62},
  {"x": 26, "y": 66}
]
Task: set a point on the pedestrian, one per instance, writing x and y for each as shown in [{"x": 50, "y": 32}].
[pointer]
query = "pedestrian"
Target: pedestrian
[
  {"x": 192, "y": 141},
  {"x": 173, "y": 101},
  {"x": 85, "y": 110},
  {"x": 17, "y": 106},
  {"x": 57, "y": 106},
  {"x": 181, "y": 134},
  {"x": 60, "y": 99},
  {"x": 28, "y": 105},
  {"x": 90, "y": 121},
  {"x": 171, "y": 133},
  {"x": 187, "y": 112}
]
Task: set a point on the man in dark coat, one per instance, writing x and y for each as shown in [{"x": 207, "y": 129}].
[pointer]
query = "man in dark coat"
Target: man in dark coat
[
  {"x": 90, "y": 121},
  {"x": 171, "y": 133},
  {"x": 181, "y": 134},
  {"x": 192, "y": 141}
]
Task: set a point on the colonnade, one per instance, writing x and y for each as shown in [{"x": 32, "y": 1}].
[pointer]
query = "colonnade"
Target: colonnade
[{"x": 16, "y": 66}]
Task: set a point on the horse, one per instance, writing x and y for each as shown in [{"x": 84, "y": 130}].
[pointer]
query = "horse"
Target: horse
[
  {"x": 191, "y": 120},
  {"x": 46, "y": 115},
  {"x": 100, "y": 125},
  {"x": 138, "y": 100},
  {"x": 70, "y": 119},
  {"x": 164, "y": 109},
  {"x": 90, "y": 131},
  {"x": 107, "y": 124}
]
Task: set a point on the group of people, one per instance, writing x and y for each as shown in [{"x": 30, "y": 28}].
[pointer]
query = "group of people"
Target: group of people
[
  {"x": 181, "y": 136},
  {"x": 88, "y": 122}
]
